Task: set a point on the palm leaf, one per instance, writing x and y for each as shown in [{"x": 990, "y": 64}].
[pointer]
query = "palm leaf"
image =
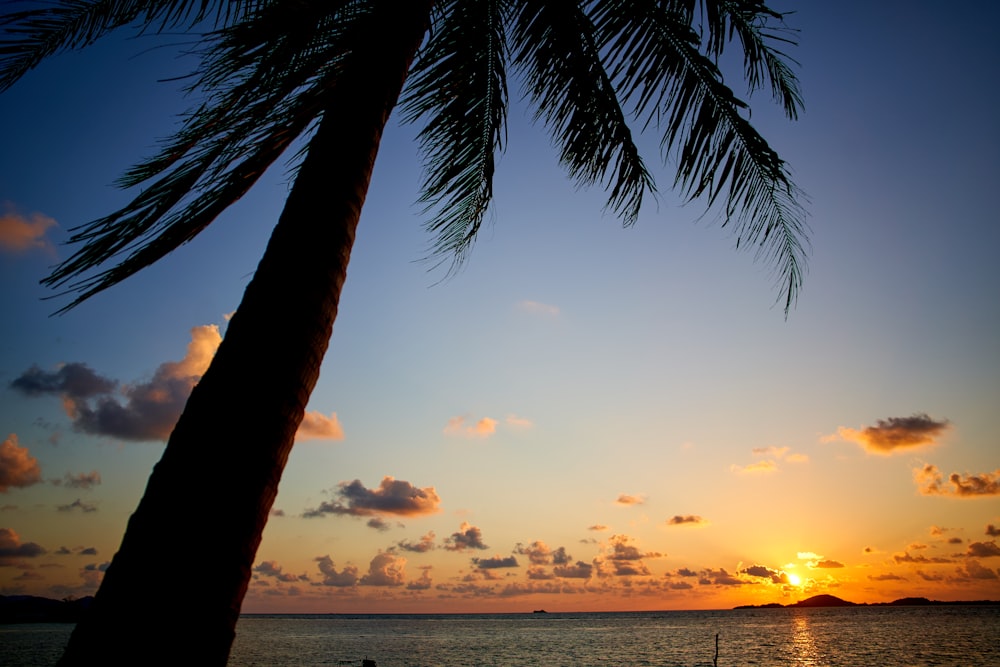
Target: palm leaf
[
  {"x": 458, "y": 86},
  {"x": 576, "y": 99},
  {"x": 29, "y": 36},
  {"x": 656, "y": 62},
  {"x": 261, "y": 95}
]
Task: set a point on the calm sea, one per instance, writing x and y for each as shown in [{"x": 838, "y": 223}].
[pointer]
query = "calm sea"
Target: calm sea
[{"x": 850, "y": 637}]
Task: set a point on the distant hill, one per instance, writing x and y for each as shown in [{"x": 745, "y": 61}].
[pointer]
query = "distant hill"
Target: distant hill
[
  {"x": 32, "y": 609},
  {"x": 834, "y": 601}
]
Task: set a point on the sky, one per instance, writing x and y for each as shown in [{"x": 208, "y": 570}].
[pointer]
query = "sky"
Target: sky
[{"x": 584, "y": 417}]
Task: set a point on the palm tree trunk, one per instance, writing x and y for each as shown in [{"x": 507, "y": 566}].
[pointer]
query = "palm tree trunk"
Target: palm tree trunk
[{"x": 173, "y": 592}]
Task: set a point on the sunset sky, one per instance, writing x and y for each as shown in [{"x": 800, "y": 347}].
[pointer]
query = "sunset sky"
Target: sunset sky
[{"x": 585, "y": 417}]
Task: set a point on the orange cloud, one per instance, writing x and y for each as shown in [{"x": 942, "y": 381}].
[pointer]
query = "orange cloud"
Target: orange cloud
[
  {"x": 425, "y": 544},
  {"x": 518, "y": 422},
  {"x": 624, "y": 558},
  {"x": 385, "y": 569},
  {"x": 21, "y": 234},
  {"x": 467, "y": 537},
  {"x": 346, "y": 578},
  {"x": 483, "y": 428},
  {"x": 150, "y": 409},
  {"x": 392, "y": 497},
  {"x": 754, "y": 468},
  {"x": 317, "y": 426},
  {"x": 627, "y": 500},
  {"x": 11, "y": 546},
  {"x": 896, "y": 433},
  {"x": 777, "y": 452},
  {"x": 18, "y": 468},
  {"x": 930, "y": 482},
  {"x": 983, "y": 549},
  {"x": 690, "y": 519}
]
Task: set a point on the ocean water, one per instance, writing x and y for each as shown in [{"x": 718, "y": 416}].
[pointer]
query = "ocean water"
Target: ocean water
[{"x": 945, "y": 636}]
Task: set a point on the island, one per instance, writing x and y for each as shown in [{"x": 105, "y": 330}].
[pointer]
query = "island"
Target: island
[
  {"x": 34, "y": 609},
  {"x": 834, "y": 601}
]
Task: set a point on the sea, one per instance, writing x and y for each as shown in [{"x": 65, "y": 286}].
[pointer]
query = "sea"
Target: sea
[{"x": 938, "y": 636}]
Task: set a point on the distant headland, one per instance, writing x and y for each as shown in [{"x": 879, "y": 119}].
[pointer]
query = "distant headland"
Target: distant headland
[
  {"x": 33, "y": 609},
  {"x": 834, "y": 601}
]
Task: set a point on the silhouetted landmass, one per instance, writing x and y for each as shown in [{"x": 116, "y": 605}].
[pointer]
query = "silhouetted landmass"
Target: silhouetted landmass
[
  {"x": 834, "y": 601},
  {"x": 32, "y": 609}
]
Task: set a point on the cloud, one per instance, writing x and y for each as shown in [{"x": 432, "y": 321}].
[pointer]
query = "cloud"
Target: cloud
[
  {"x": 580, "y": 570},
  {"x": 425, "y": 544},
  {"x": 889, "y": 576},
  {"x": 467, "y": 537},
  {"x": 930, "y": 482},
  {"x": 270, "y": 568},
  {"x": 393, "y": 497},
  {"x": 718, "y": 577},
  {"x": 11, "y": 546},
  {"x": 679, "y": 520},
  {"x": 423, "y": 583},
  {"x": 75, "y": 381},
  {"x": 496, "y": 562},
  {"x": 538, "y": 308},
  {"x": 518, "y": 422},
  {"x": 905, "y": 557},
  {"x": 625, "y": 558},
  {"x": 344, "y": 579},
  {"x": 627, "y": 500},
  {"x": 150, "y": 409},
  {"x": 973, "y": 570},
  {"x": 776, "y": 452},
  {"x": 755, "y": 468},
  {"x": 78, "y": 504},
  {"x": 18, "y": 468},
  {"x": 992, "y": 530},
  {"x": 826, "y": 564},
  {"x": 76, "y": 551},
  {"x": 598, "y": 528},
  {"x": 317, "y": 426},
  {"x": 19, "y": 233},
  {"x": 894, "y": 434},
  {"x": 764, "y": 572},
  {"x": 983, "y": 549},
  {"x": 560, "y": 557},
  {"x": 459, "y": 426},
  {"x": 538, "y": 552},
  {"x": 385, "y": 569},
  {"x": 83, "y": 480}
]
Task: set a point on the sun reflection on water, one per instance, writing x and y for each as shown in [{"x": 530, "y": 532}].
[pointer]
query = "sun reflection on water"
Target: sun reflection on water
[{"x": 804, "y": 649}]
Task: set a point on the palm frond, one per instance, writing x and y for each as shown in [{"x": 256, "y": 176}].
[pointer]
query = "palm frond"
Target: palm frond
[
  {"x": 28, "y": 36},
  {"x": 262, "y": 94},
  {"x": 655, "y": 59},
  {"x": 762, "y": 34},
  {"x": 459, "y": 87},
  {"x": 574, "y": 96}
]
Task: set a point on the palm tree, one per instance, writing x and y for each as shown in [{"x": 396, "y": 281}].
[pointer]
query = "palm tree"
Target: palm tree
[{"x": 329, "y": 73}]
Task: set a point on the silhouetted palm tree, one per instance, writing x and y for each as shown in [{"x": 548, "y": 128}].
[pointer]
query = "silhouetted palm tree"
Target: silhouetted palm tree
[{"x": 331, "y": 72}]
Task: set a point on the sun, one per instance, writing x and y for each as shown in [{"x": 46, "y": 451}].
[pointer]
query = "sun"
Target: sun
[{"x": 794, "y": 579}]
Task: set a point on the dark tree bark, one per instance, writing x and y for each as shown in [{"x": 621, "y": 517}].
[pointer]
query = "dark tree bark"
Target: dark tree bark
[{"x": 173, "y": 592}]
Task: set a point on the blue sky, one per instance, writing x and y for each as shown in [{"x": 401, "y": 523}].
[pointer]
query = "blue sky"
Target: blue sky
[{"x": 626, "y": 377}]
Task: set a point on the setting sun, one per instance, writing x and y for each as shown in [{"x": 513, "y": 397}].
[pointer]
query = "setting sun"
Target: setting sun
[{"x": 794, "y": 579}]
